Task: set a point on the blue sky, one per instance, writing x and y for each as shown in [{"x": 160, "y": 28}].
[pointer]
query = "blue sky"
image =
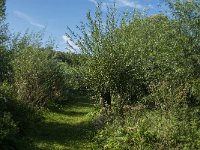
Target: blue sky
[{"x": 55, "y": 15}]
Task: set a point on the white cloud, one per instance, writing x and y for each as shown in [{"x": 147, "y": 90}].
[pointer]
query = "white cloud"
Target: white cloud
[
  {"x": 131, "y": 4},
  {"x": 71, "y": 43},
  {"x": 121, "y": 3},
  {"x": 37, "y": 24},
  {"x": 28, "y": 18},
  {"x": 93, "y": 1}
]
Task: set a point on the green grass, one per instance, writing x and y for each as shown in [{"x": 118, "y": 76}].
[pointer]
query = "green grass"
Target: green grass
[{"x": 64, "y": 128}]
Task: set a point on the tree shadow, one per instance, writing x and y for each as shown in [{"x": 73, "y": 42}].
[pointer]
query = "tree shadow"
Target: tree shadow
[
  {"x": 64, "y": 134},
  {"x": 67, "y": 111},
  {"x": 74, "y": 104},
  {"x": 71, "y": 113}
]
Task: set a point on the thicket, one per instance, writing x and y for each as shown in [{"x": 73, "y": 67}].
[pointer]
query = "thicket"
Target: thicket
[
  {"x": 148, "y": 66},
  {"x": 31, "y": 77},
  {"x": 145, "y": 70}
]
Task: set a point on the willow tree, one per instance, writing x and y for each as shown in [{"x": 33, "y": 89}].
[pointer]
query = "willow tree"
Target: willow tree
[
  {"x": 188, "y": 15},
  {"x": 108, "y": 65}
]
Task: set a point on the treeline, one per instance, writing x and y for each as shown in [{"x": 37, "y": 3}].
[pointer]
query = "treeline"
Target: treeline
[
  {"x": 32, "y": 75},
  {"x": 145, "y": 70}
]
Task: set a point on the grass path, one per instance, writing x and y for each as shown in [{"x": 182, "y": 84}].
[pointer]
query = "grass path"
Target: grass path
[{"x": 65, "y": 128}]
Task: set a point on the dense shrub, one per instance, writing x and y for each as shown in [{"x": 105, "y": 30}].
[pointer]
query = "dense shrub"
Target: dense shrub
[
  {"x": 150, "y": 60},
  {"x": 5, "y": 67},
  {"x": 37, "y": 78},
  {"x": 25, "y": 116},
  {"x": 126, "y": 54},
  {"x": 143, "y": 129},
  {"x": 8, "y": 131},
  {"x": 16, "y": 117},
  {"x": 8, "y": 127}
]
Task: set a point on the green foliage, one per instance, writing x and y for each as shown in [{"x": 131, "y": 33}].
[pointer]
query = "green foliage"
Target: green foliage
[
  {"x": 5, "y": 69},
  {"x": 107, "y": 64},
  {"x": 2, "y": 8},
  {"x": 166, "y": 96},
  {"x": 186, "y": 13},
  {"x": 3, "y": 26},
  {"x": 8, "y": 127},
  {"x": 7, "y": 91},
  {"x": 21, "y": 41},
  {"x": 37, "y": 78},
  {"x": 153, "y": 60},
  {"x": 144, "y": 129},
  {"x": 194, "y": 92},
  {"x": 8, "y": 131},
  {"x": 24, "y": 116},
  {"x": 66, "y": 126},
  {"x": 16, "y": 117},
  {"x": 125, "y": 56}
]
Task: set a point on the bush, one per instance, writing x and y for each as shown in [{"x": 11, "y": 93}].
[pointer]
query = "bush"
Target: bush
[
  {"x": 5, "y": 67},
  {"x": 8, "y": 131},
  {"x": 165, "y": 120},
  {"x": 194, "y": 94},
  {"x": 16, "y": 117},
  {"x": 144, "y": 129},
  {"x": 7, "y": 92},
  {"x": 166, "y": 95},
  {"x": 24, "y": 115},
  {"x": 37, "y": 77}
]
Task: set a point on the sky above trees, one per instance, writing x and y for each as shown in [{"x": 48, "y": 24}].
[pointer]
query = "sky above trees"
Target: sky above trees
[{"x": 53, "y": 16}]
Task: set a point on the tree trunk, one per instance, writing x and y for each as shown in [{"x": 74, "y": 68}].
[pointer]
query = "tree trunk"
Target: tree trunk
[{"x": 105, "y": 99}]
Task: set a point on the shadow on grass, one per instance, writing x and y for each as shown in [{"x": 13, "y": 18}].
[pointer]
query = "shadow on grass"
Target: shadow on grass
[
  {"x": 71, "y": 135},
  {"x": 65, "y": 135},
  {"x": 69, "y": 110},
  {"x": 71, "y": 113},
  {"x": 78, "y": 102}
]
